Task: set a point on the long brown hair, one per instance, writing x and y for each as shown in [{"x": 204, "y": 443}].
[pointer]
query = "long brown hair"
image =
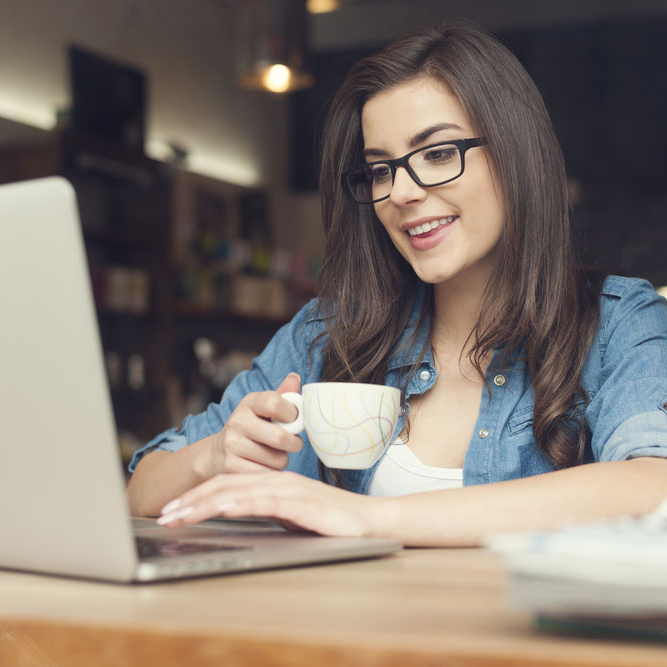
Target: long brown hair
[{"x": 538, "y": 300}]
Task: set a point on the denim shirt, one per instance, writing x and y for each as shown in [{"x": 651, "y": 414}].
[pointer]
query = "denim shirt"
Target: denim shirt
[{"x": 625, "y": 377}]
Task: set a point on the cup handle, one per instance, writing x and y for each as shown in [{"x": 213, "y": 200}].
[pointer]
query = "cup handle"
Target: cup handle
[{"x": 296, "y": 426}]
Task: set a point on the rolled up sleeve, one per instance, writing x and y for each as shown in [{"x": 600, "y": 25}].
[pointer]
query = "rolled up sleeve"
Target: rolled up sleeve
[
  {"x": 288, "y": 351},
  {"x": 627, "y": 416}
]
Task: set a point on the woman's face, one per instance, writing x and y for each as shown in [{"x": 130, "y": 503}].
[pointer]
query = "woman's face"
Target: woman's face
[{"x": 468, "y": 210}]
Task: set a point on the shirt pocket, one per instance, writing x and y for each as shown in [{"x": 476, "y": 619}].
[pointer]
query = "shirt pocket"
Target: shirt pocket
[
  {"x": 524, "y": 419},
  {"x": 520, "y": 422},
  {"x": 531, "y": 460}
]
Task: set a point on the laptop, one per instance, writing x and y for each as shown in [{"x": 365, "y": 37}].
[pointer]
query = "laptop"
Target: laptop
[{"x": 62, "y": 487}]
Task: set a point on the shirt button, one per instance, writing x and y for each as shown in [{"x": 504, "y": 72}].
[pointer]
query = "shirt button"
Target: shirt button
[
  {"x": 425, "y": 376},
  {"x": 483, "y": 433},
  {"x": 499, "y": 380}
]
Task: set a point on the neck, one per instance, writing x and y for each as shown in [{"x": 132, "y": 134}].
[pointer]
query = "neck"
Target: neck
[{"x": 457, "y": 306}]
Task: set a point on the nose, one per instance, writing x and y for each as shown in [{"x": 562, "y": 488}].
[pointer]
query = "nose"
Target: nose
[{"x": 404, "y": 190}]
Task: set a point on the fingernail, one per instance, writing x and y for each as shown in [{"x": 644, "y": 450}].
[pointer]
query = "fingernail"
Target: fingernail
[
  {"x": 223, "y": 507},
  {"x": 174, "y": 516},
  {"x": 170, "y": 506}
]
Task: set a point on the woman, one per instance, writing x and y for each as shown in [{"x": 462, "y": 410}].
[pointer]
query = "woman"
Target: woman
[{"x": 536, "y": 395}]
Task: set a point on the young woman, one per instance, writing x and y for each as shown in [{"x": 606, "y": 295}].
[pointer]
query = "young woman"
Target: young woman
[{"x": 533, "y": 394}]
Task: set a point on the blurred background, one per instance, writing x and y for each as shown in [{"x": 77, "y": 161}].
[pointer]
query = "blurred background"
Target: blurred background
[{"x": 189, "y": 129}]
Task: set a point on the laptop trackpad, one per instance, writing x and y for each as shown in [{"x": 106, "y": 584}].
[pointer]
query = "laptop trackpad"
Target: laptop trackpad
[{"x": 208, "y": 529}]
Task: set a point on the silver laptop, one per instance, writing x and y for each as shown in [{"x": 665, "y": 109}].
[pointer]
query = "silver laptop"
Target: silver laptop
[{"x": 62, "y": 488}]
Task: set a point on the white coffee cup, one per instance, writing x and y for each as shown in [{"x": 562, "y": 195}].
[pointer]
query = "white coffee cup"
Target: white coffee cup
[{"x": 348, "y": 424}]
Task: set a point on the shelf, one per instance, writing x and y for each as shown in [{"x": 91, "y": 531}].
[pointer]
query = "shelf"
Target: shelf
[
  {"x": 190, "y": 311},
  {"x": 105, "y": 312},
  {"x": 127, "y": 203},
  {"x": 117, "y": 237}
]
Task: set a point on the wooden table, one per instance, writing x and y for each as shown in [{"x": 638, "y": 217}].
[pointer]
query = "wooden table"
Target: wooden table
[{"x": 419, "y": 607}]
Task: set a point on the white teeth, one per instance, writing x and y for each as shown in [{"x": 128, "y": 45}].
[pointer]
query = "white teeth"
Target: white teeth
[{"x": 428, "y": 226}]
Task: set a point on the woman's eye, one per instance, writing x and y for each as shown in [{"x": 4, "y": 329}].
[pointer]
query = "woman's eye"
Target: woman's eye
[
  {"x": 440, "y": 154},
  {"x": 380, "y": 173}
]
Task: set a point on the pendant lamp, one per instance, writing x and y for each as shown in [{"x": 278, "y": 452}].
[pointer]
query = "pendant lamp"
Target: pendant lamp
[{"x": 272, "y": 45}]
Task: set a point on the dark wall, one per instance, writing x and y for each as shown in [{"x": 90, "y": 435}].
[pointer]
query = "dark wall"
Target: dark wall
[
  {"x": 605, "y": 85},
  {"x": 606, "y": 88},
  {"x": 308, "y": 113}
]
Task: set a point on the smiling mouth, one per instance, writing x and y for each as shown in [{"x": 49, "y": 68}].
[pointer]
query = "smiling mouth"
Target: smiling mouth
[{"x": 427, "y": 227}]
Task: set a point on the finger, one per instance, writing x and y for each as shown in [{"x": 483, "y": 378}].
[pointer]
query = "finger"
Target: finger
[
  {"x": 257, "y": 454},
  {"x": 270, "y": 405},
  {"x": 239, "y": 465},
  {"x": 224, "y": 482},
  {"x": 297, "y": 505},
  {"x": 284, "y": 497},
  {"x": 250, "y": 499},
  {"x": 290, "y": 509},
  {"x": 292, "y": 382},
  {"x": 273, "y": 436},
  {"x": 211, "y": 486},
  {"x": 245, "y": 426}
]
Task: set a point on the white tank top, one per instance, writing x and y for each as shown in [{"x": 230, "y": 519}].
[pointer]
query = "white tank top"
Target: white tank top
[{"x": 400, "y": 472}]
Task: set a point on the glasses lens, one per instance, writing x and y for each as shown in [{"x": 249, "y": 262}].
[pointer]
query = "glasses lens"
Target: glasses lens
[
  {"x": 436, "y": 164},
  {"x": 370, "y": 183},
  {"x": 431, "y": 165}
]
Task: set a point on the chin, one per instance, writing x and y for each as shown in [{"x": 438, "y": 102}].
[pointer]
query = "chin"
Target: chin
[
  {"x": 433, "y": 272},
  {"x": 431, "y": 279}
]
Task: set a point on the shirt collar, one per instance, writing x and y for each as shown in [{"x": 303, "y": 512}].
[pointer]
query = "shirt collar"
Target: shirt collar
[{"x": 407, "y": 354}]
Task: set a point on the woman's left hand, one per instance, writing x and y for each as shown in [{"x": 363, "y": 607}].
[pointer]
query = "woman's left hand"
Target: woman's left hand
[{"x": 292, "y": 500}]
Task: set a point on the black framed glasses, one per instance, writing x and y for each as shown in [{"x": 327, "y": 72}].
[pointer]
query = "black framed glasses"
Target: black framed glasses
[{"x": 429, "y": 166}]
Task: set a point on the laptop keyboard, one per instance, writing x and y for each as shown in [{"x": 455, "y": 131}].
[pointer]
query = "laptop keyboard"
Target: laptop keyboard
[{"x": 153, "y": 547}]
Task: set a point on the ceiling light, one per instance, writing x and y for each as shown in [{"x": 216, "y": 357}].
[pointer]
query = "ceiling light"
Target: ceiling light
[
  {"x": 322, "y": 6},
  {"x": 277, "y": 78},
  {"x": 271, "y": 46}
]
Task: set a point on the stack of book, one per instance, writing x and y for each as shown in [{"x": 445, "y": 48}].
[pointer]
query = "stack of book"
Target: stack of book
[{"x": 606, "y": 578}]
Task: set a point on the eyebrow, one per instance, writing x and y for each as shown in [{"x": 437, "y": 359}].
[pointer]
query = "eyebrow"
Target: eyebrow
[{"x": 419, "y": 138}]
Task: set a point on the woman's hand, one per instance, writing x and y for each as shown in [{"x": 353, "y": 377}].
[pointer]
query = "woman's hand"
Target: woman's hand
[
  {"x": 290, "y": 499},
  {"x": 249, "y": 441},
  {"x": 459, "y": 517}
]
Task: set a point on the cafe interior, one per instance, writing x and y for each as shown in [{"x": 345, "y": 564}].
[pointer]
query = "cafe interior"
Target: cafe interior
[
  {"x": 197, "y": 183},
  {"x": 190, "y": 132}
]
